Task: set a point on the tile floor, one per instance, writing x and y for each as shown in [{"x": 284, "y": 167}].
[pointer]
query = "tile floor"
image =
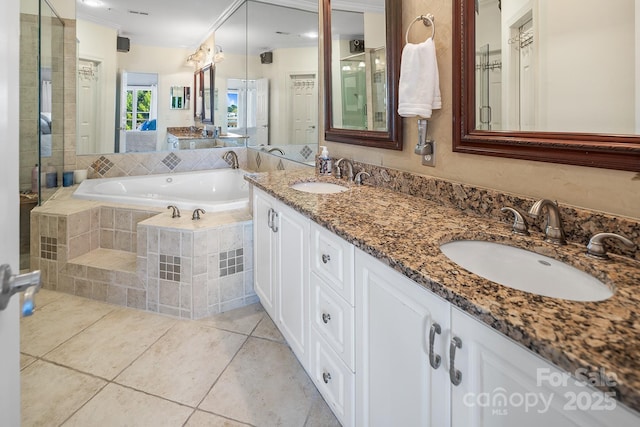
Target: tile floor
[{"x": 87, "y": 363}]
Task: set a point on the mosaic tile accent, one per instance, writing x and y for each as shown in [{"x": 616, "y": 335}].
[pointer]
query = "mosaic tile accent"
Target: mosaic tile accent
[
  {"x": 102, "y": 165},
  {"x": 171, "y": 161},
  {"x": 48, "y": 248},
  {"x": 231, "y": 262},
  {"x": 170, "y": 267},
  {"x": 258, "y": 160},
  {"x": 306, "y": 152}
]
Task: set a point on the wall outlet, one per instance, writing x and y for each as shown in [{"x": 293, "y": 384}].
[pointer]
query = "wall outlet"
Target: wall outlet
[{"x": 429, "y": 159}]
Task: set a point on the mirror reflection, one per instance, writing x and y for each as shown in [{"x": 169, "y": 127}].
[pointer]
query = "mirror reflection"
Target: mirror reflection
[
  {"x": 254, "y": 82},
  {"x": 556, "y": 66},
  {"x": 359, "y": 74}
]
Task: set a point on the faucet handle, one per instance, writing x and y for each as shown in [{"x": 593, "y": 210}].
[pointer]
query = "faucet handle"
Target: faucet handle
[
  {"x": 196, "y": 214},
  {"x": 359, "y": 175},
  {"x": 596, "y": 249},
  {"x": 520, "y": 225}
]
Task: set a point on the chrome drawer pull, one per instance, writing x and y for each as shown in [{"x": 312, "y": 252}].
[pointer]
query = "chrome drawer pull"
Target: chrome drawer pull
[
  {"x": 326, "y": 377},
  {"x": 434, "y": 359},
  {"x": 326, "y": 258},
  {"x": 326, "y": 317},
  {"x": 454, "y": 375}
]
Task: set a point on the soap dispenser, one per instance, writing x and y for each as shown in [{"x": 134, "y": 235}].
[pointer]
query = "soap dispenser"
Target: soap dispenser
[{"x": 324, "y": 162}]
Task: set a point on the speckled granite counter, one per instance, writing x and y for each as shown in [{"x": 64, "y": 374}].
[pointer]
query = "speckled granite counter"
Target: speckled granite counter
[{"x": 406, "y": 232}]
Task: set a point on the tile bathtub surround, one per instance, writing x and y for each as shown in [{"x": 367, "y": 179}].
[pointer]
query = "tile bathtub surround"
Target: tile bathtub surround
[
  {"x": 133, "y": 164},
  {"x": 406, "y": 232},
  {"x": 196, "y": 269}
]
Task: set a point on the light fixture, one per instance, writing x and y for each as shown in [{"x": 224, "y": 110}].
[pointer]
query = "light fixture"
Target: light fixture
[
  {"x": 200, "y": 54},
  {"x": 218, "y": 55},
  {"x": 92, "y": 3},
  {"x": 310, "y": 35}
]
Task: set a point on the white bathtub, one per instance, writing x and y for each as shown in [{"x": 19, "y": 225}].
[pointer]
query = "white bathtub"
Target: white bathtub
[{"x": 214, "y": 190}]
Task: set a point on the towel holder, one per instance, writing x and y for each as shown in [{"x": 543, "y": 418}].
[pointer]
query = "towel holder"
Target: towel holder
[{"x": 427, "y": 20}]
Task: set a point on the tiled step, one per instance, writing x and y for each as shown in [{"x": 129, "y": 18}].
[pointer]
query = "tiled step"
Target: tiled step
[{"x": 107, "y": 266}]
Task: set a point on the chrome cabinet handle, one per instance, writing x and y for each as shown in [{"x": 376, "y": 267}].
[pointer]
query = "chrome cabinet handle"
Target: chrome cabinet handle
[
  {"x": 454, "y": 375},
  {"x": 326, "y": 317},
  {"x": 326, "y": 258},
  {"x": 326, "y": 377},
  {"x": 434, "y": 359},
  {"x": 273, "y": 215},
  {"x": 270, "y": 218}
]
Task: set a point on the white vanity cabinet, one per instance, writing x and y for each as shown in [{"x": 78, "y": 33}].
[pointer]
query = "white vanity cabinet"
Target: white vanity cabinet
[
  {"x": 504, "y": 384},
  {"x": 332, "y": 321},
  {"x": 401, "y": 330},
  {"x": 281, "y": 269}
]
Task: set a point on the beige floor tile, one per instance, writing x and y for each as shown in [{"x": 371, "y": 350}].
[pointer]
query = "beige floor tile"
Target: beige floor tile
[
  {"x": 51, "y": 393},
  {"x": 205, "y": 419},
  {"x": 242, "y": 320},
  {"x": 264, "y": 385},
  {"x": 321, "y": 415},
  {"x": 111, "y": 344},
  {"x": 26, "y": 360},
  {"x": 45, "y": 296},
  {"x": 268, "y": 330},
  {"x": 58, "y": 321},
  {"x": 119, "y": 406},
  {"x": 184, "y": 363}
]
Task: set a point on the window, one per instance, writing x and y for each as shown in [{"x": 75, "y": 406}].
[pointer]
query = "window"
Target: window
[{"x": 139, "y": 101}]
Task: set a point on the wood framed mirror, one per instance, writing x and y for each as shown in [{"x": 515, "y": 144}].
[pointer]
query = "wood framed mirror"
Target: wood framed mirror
[
  {"x": 207, "y": 93},
  {"x": 387, "y": 133},
  {"x": 472, "y": 134}
]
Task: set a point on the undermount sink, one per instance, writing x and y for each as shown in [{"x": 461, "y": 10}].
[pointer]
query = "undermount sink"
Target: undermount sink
[
  {"x": 319, "y": 187},
  {"x": 524, "y": 270}
]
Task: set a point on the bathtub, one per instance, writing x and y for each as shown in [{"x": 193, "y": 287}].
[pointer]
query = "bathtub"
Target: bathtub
[{"x": 213, "y": 190}]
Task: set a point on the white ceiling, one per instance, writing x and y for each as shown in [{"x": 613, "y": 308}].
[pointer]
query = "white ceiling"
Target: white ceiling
[{"x": 187, "y": 23}]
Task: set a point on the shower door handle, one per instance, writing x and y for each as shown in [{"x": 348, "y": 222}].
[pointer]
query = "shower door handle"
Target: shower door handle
[{"x": 11, "y": 284}]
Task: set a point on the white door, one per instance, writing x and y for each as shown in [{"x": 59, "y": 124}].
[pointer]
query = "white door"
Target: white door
[
  {"x": 304, "y": 109},
  {"x": 262, "y": 112},
  {"x": 9, "y": 205},
  {"x": 88, "y": 119}
]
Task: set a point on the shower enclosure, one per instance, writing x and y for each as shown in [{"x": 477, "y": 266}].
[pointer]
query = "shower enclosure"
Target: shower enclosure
[{"x": 41, "y": 110}]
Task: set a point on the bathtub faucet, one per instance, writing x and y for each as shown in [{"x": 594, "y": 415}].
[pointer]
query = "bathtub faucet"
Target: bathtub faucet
[
  {"x": 232, "y": 158},
  {"x": 196, "y": 214},
  {"x": 176, "y": 211}
]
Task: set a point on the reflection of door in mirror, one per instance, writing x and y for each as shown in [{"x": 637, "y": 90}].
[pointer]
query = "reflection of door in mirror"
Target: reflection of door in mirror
[
  {"x": 546, "y": 69},
  {"x": 89, "y": 121},
  {"x": 303, "y": 101},
  {"x": 138, "y": 112}
]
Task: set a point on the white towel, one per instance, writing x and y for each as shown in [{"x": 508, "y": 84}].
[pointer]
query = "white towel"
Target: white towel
[{"x": 419, "y": 89}]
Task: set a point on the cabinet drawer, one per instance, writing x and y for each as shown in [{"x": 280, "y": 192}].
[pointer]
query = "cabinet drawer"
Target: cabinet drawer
[
  {"x": 333, "y": 318},
  {"x": 334, "y": 379},
  {"x": 332, "y": 260}
]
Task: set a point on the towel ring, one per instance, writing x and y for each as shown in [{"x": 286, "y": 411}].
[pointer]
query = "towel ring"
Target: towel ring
[{"x": 427, "y": 20}]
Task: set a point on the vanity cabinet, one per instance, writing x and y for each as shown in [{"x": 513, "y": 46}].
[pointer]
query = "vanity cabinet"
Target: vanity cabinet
[
  {"x": 281, "y": 268},
  {"x": 396, "y": 384},
  {"x": 332, "y": 321},
  {"x": 504, "y": 384}
]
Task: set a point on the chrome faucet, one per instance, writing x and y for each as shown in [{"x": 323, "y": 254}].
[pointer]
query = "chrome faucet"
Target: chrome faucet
[
  {"x": 176, "y": 211},
  {"x": 596, "y": 248},
  {"x": 196, "y": 214},
  {"x": 232, "y": 158},
  {"x": 349, "y": 167},
  {"x": 359, "y": 175},
  {"x": 520, "y": 225},
  {"x": 553, "y": 230},
  {"x": 271, "y": 150}
]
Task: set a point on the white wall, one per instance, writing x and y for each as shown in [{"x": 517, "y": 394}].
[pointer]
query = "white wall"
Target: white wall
[
  {"x": 172, "y": 69},
  {"x": 98, "y": 43}
]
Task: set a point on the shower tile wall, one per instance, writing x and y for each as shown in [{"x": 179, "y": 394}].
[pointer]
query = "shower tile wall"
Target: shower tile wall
[{"x": 197, "y": 273}]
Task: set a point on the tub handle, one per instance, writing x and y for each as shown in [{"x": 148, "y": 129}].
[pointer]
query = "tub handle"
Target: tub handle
[{"x": 176, "y": 211}]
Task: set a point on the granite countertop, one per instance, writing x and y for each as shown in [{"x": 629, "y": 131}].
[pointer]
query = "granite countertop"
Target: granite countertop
[
  {"x": 406, "y": 232},
  {"x": 187, "y": 133}
]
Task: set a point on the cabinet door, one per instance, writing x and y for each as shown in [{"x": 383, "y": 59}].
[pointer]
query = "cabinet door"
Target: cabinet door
[
  {"x": 395, "y": 383},
  {"x": 264, "y": 251},
  {"x": 292, "y": 278},
  {"x": 504, "y": 384}
]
